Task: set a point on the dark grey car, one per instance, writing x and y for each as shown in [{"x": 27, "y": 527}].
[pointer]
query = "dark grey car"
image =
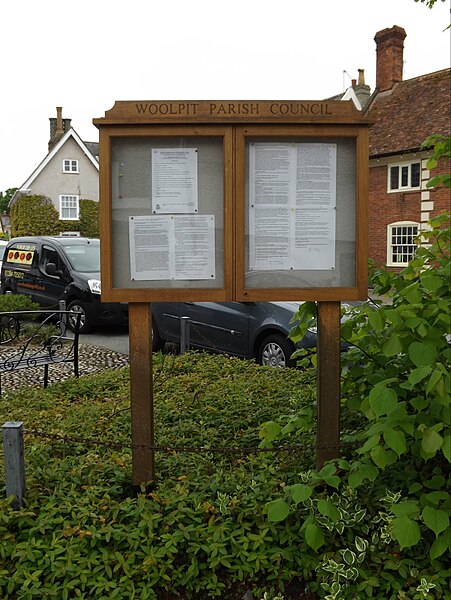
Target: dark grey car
[{"x": 255, "y": 330}]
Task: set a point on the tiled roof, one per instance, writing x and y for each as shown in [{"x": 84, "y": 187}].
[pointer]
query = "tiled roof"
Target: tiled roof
[
  {"x": 408, "y": 113},
  {"x": 93, "y": 148}
]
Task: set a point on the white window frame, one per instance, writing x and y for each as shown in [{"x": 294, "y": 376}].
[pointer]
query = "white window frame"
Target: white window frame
[
  {"x": 404, "y": 245},
  {"x": 70, "y": 165},
  {"x": 69, "y": 202},
  {"x": 406, "y": 166}
]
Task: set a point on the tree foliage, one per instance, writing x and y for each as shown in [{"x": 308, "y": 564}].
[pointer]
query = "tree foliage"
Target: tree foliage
[
  {"x": 429, "y": 3},
  {"x": 5, "y": 198}
]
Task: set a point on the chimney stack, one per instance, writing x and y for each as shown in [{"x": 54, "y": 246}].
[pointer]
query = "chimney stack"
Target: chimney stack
[
  {"x": 59, "y": 121},
  {"x": 361, "y": 77},
  {"x": 58, "y": 127},
  {"x": 389, "y": 57}
]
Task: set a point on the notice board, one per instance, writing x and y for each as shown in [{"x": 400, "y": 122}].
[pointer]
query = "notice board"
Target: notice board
[{"x": 233, "y": 200}]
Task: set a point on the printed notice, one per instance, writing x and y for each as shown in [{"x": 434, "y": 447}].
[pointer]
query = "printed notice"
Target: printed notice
[
  {"x": 172, "y": 247},
  {"x": 174, "y": 180},
  {"x": 292, "y": 206}
]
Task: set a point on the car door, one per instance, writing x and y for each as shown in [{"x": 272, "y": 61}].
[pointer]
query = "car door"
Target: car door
[
  {"x": 50, "y": 287},
  {"x": 166, "y": 317},
  {"x": 219, "y": 326}
]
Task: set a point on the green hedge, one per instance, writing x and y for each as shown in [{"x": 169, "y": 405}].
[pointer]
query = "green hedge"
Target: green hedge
[{"x": 36, "y": 215}]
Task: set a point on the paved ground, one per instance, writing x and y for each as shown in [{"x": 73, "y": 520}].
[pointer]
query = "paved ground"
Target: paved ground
[{"x": 92, "y": 359}]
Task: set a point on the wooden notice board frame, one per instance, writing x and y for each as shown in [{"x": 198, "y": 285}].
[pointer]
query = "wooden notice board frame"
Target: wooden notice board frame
[{"x": 234, "y": 122}]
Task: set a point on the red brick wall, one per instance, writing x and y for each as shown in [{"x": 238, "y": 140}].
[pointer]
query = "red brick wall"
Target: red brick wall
[
  {"x": 441, "y": 196},
  {"x": 384, "y": 208}
]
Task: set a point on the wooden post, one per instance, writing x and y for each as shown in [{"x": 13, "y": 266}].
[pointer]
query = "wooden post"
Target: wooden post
[
  {"x": 14, "y": 462},
  {"x": 140, "y": 339},
  {"x": 328, "y": 382}
]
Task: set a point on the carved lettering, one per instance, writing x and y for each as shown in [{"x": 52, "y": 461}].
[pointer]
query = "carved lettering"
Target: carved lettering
[
  {"x": 167, "y": 108},
  {"x": 234, "y": 108},
  {"x": 300, "y": 108}
]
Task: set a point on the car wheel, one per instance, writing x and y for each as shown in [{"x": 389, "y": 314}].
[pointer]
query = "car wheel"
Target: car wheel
[
  {"x": 76, "y": 308},
  {"x": 275, "y": 351},
  {"x": 157, "y": 342}
]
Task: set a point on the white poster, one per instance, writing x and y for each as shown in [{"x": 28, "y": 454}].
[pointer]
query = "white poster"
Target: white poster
[
  {"x": 174, "y": 180},
  {"x": 292, "y": 206},
  {"x": 172, "y": 247}
]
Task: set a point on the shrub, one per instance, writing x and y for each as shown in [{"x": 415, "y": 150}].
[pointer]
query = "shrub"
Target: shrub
[
  {"x": 381, "y": 519},
  {"x": 36, "y": 215},
  {"x": 89, "y": 218},
  {"x": 13, "y": 302}
]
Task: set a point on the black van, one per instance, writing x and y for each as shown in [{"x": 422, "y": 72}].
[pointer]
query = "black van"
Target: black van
[{"x": 50, "y": 269}]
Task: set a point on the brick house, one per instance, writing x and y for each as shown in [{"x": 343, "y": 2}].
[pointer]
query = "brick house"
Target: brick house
[
  {"x": 405, "y": 113},
  {"x": 68, "y": 173}
]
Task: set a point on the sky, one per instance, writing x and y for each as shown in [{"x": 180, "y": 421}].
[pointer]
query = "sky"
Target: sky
[{"x": 85, "y": 55}]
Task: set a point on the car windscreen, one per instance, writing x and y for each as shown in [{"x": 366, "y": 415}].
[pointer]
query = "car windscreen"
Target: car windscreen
[{"x": 84, "y": 257}]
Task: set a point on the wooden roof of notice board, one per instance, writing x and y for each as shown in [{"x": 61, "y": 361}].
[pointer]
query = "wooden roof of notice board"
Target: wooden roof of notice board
[{"x": 135, "y": 112}]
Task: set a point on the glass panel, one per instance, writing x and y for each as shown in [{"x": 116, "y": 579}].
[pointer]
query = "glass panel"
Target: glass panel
[
  {"x": 404, "y": 176},
  {"x": 415, "y": 175},
  {"x": 300, "y": 212},
  {"x": 394, "y": 178},
  {"x": 168, "y": 196}
]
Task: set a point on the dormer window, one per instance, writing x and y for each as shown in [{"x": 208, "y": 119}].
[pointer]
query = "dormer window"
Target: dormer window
[
  {"x": 70, "y": 166},
  {"x": 404, "y": 176}
]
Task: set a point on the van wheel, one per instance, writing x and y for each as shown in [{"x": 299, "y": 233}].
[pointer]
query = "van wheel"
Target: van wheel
[{"x": 75, "y": 308}]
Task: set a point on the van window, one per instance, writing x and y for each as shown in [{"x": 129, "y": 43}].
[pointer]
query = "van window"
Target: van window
[
  {"x": 84, "y": 257},
  {"x": 50, "y": 255},
  {"x": 20, "y": 255}
]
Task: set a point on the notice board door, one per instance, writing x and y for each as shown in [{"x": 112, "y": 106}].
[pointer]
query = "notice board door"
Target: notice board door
[
  {"x": 301, "y": 212},
  {"x": 166, "y": 213}
]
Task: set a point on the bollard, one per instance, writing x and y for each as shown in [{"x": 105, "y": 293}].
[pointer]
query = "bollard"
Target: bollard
[
  {"x": 63, "y": 319},
  {"x": 14, "y": 462},
  {"x": 184, "y": 334}
]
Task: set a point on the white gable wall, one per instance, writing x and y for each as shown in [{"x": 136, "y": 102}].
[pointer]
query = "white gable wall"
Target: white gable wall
[{"x": 52, "y": 182}]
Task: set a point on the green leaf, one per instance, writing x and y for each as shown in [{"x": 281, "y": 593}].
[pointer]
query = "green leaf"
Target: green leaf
[
  {"x": 278, "y": 510},
  {"x": 314, "y": 536},
  {"x": 395, "y": 440},
  {"x": 434, "y": 380},
  {"x": 422, "y": 354},
  {"x": 270, "y": 430},
  {"x": 382, "y": 457},
  {"x": 446, "y": 447},
  {"x": 417, "y": 375},
  {"x": 435, "y": 519},
  {"x": 392, "y": 346},
  {"x": 328, "y": 509},
  {"x": 432, "y": 441},
  {"x": 440, "y": 545},
  {"x": 370, "y": 443},
  {"x": 362, "y": 473},
  {"x": 375, "y": 318},
  {"x": 408, "y": 508},
  {"x": 382, "y": 400},
  {"x": 431, "y": 282},
  {"x": 406, "y": 531},
  {"x": 299, "y": 492}
]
